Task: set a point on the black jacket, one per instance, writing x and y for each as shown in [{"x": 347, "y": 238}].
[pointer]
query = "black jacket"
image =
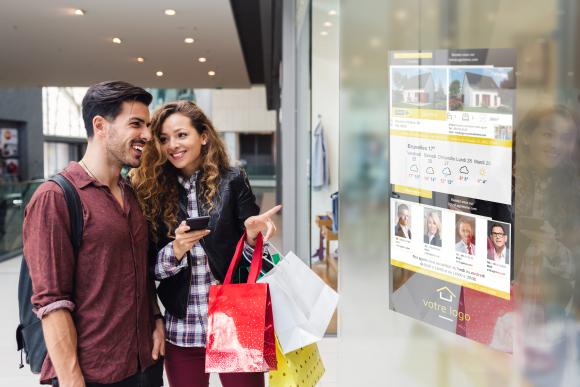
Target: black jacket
[{"x": 233, "y": 204}]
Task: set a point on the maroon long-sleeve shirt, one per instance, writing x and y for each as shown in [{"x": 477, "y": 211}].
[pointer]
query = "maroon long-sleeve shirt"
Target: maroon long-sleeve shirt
[{"x": 106, "y": 287}]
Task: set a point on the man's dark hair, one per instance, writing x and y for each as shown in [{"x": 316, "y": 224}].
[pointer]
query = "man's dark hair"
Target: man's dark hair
[
  {"x": 106, "y": 99},
  {"x": 503, "y": 228}
]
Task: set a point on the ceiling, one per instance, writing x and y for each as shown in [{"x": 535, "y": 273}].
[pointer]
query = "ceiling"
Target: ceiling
[{"x": 43, "y": 43}]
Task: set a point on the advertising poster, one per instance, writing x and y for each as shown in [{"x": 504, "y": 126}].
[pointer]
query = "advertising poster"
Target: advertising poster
[
  {"x": 451, "y": 130},
  {"x": 9, "y": 157}
]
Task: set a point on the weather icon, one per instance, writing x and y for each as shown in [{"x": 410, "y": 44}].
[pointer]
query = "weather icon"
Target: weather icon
[
  {"x": 447, "y": 171},
  {"x": 482, "y": 171},
  {"x": 414, "y": 168},
  {"x": 430, "y": 171},
  {"x": 464, "y": 170}
]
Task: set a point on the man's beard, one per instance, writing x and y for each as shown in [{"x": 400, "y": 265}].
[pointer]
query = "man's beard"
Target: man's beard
[{"x": 120, "y": 156}]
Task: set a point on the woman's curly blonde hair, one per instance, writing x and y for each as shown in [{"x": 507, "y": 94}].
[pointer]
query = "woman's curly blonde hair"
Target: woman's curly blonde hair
[{"x": 155, "y": 180}]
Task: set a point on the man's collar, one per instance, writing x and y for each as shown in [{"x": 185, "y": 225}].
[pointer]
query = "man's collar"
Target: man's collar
[{"x": 80, "y": 176}]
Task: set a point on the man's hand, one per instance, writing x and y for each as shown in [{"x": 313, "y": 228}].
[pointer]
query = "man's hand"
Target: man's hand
[
  {"x": 158, "y": 340},
  {"x": 261, "y": 223}
]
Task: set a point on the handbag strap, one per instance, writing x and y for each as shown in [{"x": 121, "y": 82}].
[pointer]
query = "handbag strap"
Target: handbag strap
[{"x": 256, "y": 264}]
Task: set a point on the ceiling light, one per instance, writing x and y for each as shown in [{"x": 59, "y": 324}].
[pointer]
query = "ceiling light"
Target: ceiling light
[
  {"x": 79, "y": 12},
  {"x": 117, "y": 41},
  {"x": 189, "y": 40},
  {"x": 324, "y": 33},
  {"x": 211, "y": 73},
  {"x": 170, "y": 12},
  {"x": 328, "y": 24},
  {"x": 202, "y": 59},
  {"x": 159, "y": 73},
  {"x": 332, "y": 12},
  {"x": 140, "y": 59}
]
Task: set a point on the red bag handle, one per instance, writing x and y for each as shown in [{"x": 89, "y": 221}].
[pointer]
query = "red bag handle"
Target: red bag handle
[{"x": 256, "y": 265}]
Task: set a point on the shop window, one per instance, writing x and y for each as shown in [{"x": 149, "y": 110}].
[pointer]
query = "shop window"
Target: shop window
[
  {"x": 57, "y": 155},
  {"x": 256, "y": 154}
]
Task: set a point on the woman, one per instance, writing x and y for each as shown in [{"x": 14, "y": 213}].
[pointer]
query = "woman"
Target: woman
[
  {"x": 433, "y": 229},
  {"x": 185, "y": 173},
  {"x": 547, "y": 247}
]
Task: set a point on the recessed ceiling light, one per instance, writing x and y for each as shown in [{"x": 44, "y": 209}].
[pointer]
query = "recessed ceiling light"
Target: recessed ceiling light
[
  {"x": 79, "y": 12},
  {"x": 211, "y": 73},
  {"x": 202, "y": 59},
  {"x": 332, "y": 12},
  {"x": 140, "y": 59},
  {"x": 170, "y": 12},
  {"x": 324, "y": 33},
  {"x": 189, "y": 40},
  {"x": 117, "y": 41},
  {"x": 159, "y": 73},
  {"x": 328, "y": 24}
]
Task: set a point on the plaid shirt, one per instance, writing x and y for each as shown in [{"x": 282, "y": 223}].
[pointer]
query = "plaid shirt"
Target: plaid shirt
[{"x": 191, "y": 331}]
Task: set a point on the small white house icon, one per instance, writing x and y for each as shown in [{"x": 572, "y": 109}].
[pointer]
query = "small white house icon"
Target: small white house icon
[{"x": 446, "y": 294}]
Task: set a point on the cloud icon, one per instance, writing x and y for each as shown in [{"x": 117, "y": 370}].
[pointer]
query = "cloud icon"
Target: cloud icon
[
  {"x": 464, "y": 170},
  {"x": 430, "y": 171},
  {"x": 414, "y": 168},
  {"x": 447, "y": 171}
]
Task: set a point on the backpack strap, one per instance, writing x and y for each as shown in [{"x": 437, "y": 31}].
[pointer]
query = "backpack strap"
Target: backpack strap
[
  {"x": 29, "y": 336},
  {"x": 75, "y": 210}
]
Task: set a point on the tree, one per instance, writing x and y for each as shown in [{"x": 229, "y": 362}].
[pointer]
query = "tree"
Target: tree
[
  {"x": 510, "y": 82},
  {"x": 455, "y": 89}
]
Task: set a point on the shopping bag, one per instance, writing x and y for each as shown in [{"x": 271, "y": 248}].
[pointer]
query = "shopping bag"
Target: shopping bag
[
  {"x": 302, "y": 303},
  {"x": 302, "y": 367},
  {"x": 240, "y": 335}
]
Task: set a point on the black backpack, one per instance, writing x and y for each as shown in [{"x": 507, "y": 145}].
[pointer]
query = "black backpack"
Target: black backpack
[{"x": 29, "y": 336}]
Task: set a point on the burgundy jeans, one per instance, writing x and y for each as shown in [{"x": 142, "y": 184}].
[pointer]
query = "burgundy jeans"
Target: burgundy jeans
[{"x": 185, "y": 367}]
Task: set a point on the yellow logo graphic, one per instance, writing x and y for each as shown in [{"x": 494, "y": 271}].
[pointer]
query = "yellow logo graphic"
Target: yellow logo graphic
[{"x": 444, "y": 306}]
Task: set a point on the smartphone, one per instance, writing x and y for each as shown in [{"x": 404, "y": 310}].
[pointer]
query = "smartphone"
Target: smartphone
[{"x": 199, "y": 223}]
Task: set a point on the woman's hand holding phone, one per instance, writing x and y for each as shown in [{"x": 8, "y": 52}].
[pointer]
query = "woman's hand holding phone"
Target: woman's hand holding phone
[{"x": 185, "y": 239}]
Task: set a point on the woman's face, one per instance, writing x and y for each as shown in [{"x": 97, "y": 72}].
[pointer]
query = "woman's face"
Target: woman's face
[
  {"x": 181, "y": 143},
  {"x": 551, "y": 143},
  {"x": 431, "y": 226}
]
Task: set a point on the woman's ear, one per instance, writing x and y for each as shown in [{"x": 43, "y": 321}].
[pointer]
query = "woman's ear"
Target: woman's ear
[{"x": 204, "y": 138}]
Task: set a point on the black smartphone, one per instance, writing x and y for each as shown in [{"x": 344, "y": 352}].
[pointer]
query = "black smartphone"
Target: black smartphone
[{"x": 199, "y": 223}]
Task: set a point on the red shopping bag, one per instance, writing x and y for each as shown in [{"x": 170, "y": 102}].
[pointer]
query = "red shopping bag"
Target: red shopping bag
[{"x": 240, "y": 333}]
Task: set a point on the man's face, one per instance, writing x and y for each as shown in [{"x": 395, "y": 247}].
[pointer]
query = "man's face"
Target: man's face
[
  {"x": 465, "y": 232},
  {"x": 128, "y": 133},
  {"x": 498, "y": 237},
  {"x": 404, "y": 217}
]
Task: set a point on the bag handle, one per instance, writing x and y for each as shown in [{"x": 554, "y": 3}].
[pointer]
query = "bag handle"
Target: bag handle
[{"x": 256, "y": 265}]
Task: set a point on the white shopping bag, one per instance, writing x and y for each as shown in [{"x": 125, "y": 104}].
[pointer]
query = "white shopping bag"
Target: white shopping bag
[{"x": 302, "y": 303}]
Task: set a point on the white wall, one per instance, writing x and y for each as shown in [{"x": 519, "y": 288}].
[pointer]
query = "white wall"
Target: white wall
[
  {"x": 242, "y": 110},
  {"x": 325, "y": 101}
]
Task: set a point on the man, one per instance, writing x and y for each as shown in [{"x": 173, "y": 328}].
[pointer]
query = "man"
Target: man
[
  {"x": 98, "y": 312},
  {"x": 466, "y": 244},
  {"x": 499, "y": 252},
  {"x": 402, "y": 227}
]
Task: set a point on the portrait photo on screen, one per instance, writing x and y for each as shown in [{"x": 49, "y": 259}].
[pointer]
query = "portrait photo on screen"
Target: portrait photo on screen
[
  {"x": 433, "y": 228},
  {"x": 403, "y": 220},
  {"x": 498, "y": 242},
  {"x": 465, "y": 234}
]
